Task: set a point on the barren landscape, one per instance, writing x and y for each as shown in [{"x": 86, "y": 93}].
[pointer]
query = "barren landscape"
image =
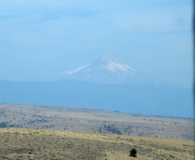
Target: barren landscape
[
  {"x": 94, "y": 121},
  {"x": 56, "y": 133},
  {"x": 28, "y": 144}
]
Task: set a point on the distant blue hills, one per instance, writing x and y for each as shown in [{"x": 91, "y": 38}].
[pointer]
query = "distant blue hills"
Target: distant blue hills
[{"x": 145, "y": 99}]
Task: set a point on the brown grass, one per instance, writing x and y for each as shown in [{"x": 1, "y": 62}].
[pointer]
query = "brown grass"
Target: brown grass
[{"x": 29, "y": 144}]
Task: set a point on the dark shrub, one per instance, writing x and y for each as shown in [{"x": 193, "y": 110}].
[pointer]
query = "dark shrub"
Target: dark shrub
[{"x": 133, "y": 153}]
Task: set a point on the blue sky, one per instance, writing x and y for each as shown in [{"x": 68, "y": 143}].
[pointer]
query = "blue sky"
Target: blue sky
[{"x": 41, "y": 38}]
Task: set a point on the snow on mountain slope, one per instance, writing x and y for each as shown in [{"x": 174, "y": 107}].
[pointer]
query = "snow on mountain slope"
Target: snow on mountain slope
[{"x": 103, "y": 71}]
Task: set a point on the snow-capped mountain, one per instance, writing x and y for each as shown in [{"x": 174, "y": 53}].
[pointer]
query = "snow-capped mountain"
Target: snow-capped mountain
[{"x": 102, "y": 71}]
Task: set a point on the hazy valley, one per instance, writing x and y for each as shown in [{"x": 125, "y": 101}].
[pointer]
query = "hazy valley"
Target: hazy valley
[{"x": 94, "y": 121}]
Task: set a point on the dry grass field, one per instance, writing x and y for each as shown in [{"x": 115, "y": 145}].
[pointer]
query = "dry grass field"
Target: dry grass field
[{"x": 29, "y": 144}]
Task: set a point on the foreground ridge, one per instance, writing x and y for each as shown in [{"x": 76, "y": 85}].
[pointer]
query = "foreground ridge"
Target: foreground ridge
[{"x": 32, "y": 144}]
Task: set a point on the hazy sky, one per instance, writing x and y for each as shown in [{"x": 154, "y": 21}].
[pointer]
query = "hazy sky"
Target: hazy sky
[{"x": 39, "y": 39}]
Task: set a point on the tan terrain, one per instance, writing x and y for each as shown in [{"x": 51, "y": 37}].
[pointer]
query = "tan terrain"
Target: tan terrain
[{"x": 29, "y": 144}]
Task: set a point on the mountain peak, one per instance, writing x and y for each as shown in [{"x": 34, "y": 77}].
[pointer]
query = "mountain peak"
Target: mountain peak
[{"x": 103, "y": 69}]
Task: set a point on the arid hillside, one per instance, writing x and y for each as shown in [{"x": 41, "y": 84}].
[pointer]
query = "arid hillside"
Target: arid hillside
[
  {"x": 28, "y": 144},
  {"x": 94, "y": 121}
]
